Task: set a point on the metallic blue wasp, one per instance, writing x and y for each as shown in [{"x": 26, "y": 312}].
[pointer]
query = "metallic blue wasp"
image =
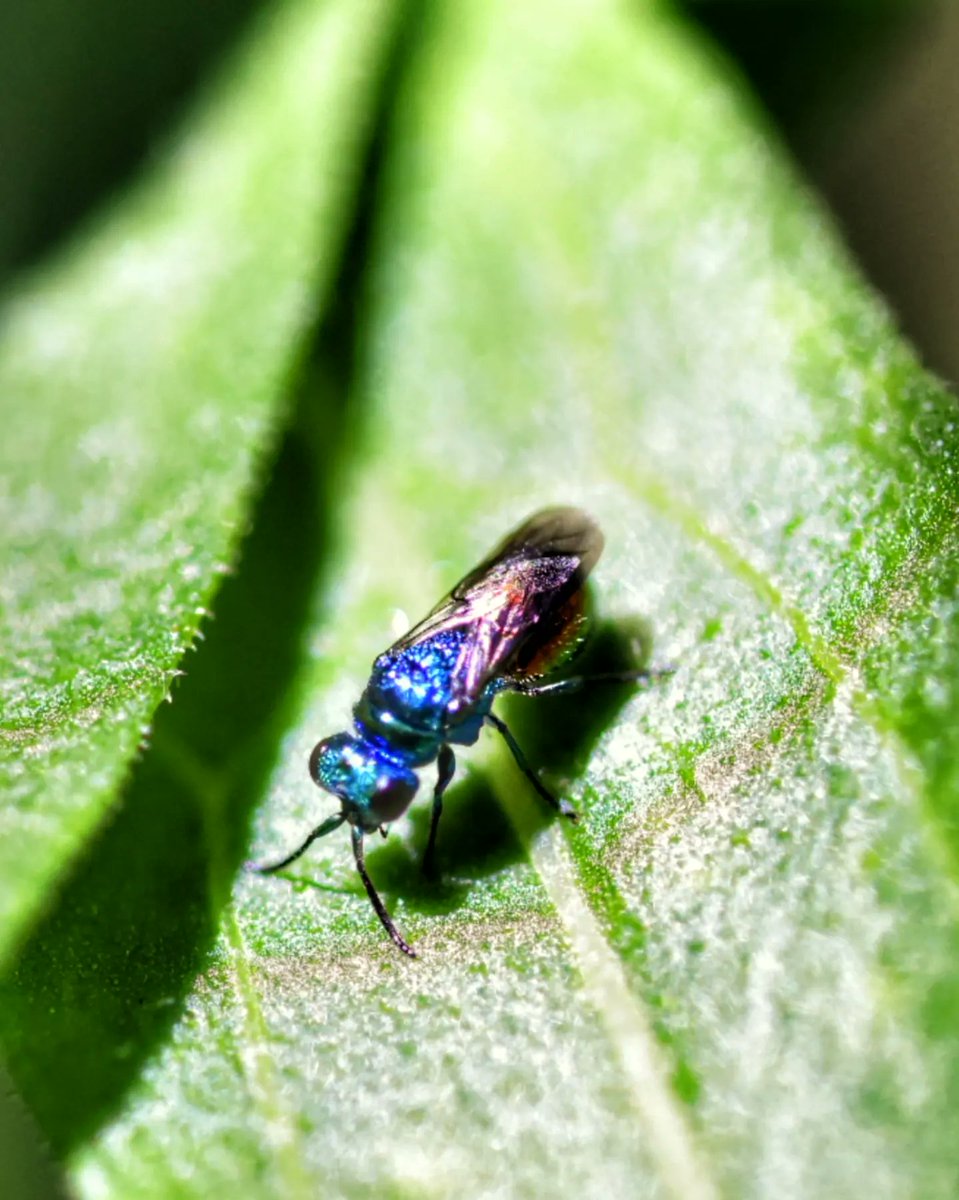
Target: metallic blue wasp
[{"x": 502, "y": 628}]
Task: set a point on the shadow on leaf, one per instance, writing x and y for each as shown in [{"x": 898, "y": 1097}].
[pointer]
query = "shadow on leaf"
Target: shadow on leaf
[
  {"x": 104, "y": 976},
  {"x": 558, "y": 735}
]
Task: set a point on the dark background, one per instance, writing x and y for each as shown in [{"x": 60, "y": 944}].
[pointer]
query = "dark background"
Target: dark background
[{"x": 865, "y": 92}]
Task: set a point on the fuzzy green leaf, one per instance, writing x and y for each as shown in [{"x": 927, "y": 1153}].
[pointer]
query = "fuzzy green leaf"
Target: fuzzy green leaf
[
  {"x": 595, "y": 281},
  {"x": 143, "y": 378}
]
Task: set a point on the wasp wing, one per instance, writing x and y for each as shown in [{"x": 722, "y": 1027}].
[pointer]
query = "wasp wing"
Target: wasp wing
[{"x": 517, "y": 601}]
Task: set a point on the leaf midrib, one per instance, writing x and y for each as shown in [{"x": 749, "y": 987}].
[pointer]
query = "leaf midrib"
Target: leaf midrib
[{"x": 210, "y": 788}]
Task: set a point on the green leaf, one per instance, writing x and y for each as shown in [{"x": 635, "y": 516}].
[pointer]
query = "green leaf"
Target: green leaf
[
  {"x": 593, "y": 280},
  {"x": 143, "y": 379}
]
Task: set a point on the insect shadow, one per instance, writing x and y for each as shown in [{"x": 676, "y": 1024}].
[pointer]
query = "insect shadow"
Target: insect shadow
[{"x": 558, "y": 735}]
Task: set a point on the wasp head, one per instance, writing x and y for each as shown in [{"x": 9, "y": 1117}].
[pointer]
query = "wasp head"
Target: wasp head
[{"x": 374, "y": 788}]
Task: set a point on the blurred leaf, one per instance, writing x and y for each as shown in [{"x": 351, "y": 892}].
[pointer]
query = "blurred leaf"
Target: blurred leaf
[
  {"x": 142, "y": 381},
  {"x": 87, "y": 89},
  {"x": 594, "y": 281}
]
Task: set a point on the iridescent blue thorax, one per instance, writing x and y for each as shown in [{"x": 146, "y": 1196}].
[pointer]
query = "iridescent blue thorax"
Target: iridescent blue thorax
[
  {"x": 406, "y": 714},
  {"x": 408, "y": 702}
]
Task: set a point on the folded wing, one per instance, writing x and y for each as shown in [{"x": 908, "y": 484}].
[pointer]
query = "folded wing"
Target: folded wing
[{"x": 523, "y": 599}]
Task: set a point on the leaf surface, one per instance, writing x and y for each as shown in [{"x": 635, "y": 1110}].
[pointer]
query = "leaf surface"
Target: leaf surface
[
  {"x": 594, "y": 281},
  {"x": 143, "y": 379}
]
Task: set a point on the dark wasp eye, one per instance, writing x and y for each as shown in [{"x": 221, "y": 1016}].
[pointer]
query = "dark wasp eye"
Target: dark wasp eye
[
  {"x": 315, "y": 761},
  {"x": 333, "y": 763},
  {"x": 391, "y": 799}
]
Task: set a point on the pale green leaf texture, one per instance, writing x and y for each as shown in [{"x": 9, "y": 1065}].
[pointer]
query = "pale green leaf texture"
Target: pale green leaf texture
[
  {"x": 593, "y": 280},
  {"x": 141, "y": 380}
]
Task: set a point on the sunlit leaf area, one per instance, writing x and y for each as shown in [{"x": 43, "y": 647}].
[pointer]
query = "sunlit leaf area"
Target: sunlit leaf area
[{"x": 394, "y": 279}]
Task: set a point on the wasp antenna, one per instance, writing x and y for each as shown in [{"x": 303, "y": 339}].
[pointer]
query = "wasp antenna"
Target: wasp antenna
[{"x": 328, "y": 826}]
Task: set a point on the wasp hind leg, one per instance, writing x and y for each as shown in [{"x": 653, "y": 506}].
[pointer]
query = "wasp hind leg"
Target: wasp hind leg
[
  {"x": 563, "y": 807},
  {"x": 575, "y": 682}
]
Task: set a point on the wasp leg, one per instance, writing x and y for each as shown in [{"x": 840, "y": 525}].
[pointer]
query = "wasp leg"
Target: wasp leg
[
  {"x": 575, "y": 682},
  {"x": 562, "y": 806},
  {"x": 447, "y": 766},
  {"x": 328, "y": 826},
  {"x": 374, "y": 896}
]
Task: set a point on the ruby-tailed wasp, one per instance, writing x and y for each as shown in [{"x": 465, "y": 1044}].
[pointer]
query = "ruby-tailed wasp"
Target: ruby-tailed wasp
[{"x": 505, "y": 626}]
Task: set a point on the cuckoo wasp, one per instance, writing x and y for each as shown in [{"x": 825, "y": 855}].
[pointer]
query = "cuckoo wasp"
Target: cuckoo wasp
[{"x": 502, "y": 628}]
